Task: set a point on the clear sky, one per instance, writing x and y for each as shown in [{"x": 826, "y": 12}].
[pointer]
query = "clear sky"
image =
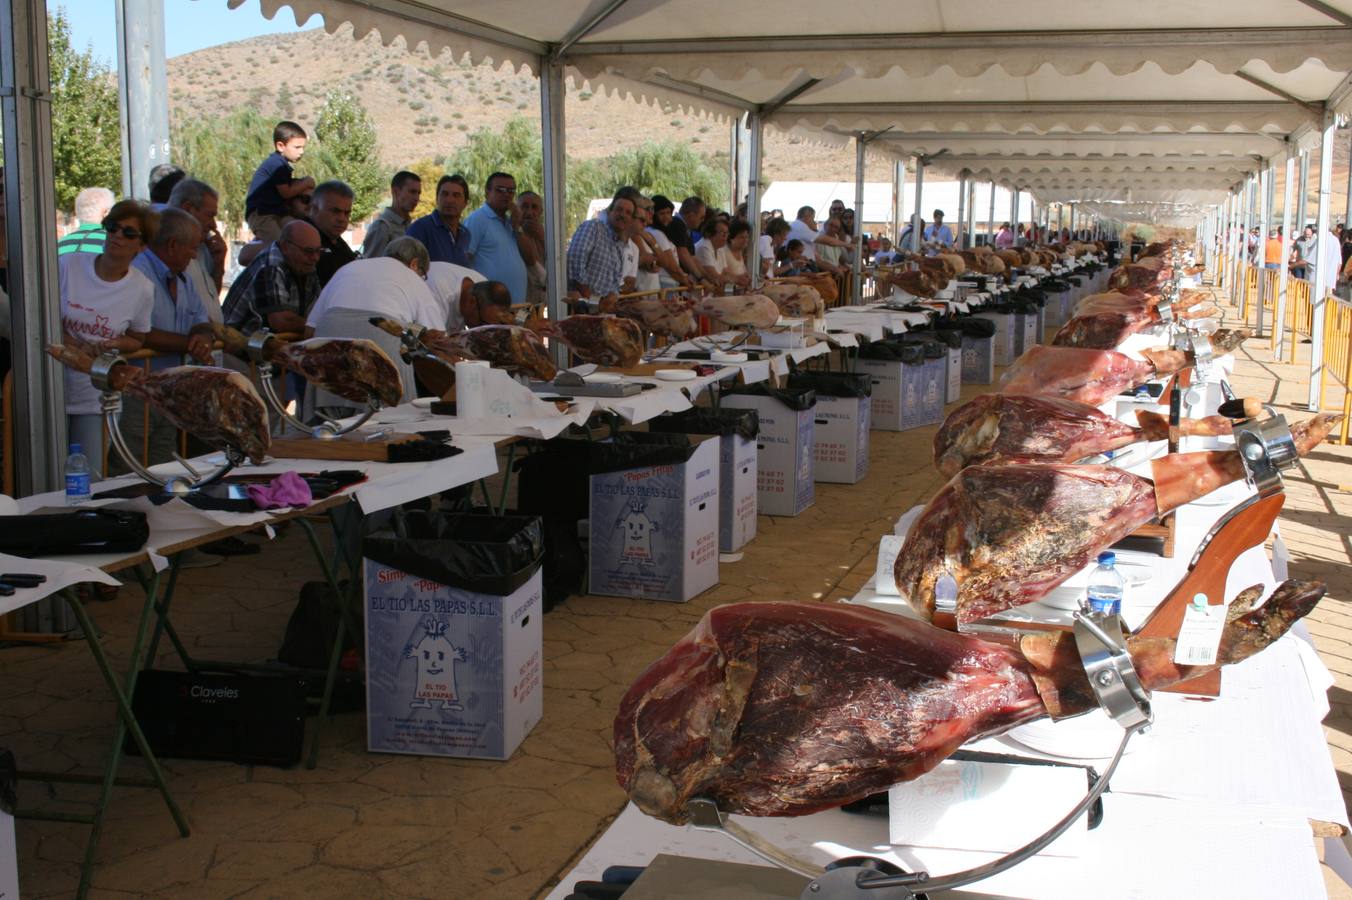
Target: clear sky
[{"x": 188, "y": 24}]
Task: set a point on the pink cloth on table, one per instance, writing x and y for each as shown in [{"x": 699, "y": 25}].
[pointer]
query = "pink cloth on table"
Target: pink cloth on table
[{"x": 287, "y": 489}]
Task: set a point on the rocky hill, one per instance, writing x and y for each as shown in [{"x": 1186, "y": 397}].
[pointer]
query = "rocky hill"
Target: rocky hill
[{"x": 425, "y": 107}]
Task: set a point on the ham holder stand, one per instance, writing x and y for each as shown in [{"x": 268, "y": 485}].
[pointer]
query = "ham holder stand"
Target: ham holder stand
[
  {"x": 325, "y": 431},
  {"x": 111, "y": 401},
  {"x": 1266, "y": 447}
]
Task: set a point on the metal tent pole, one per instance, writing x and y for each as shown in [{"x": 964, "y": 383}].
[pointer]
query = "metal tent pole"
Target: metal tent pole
[
  {"x": 971, "y": 213},
  {"x": 1014, "y": 214},
  {"x": 755, "y": 134},
  {"x": 1284, "y": 273},
  {"x": 919, "y": 195},
  {"x": 554, "y": 188},
  {"x": 143, "y": 92},
  {"x": 857, "y": 264},
  {"x": 990, "y": 219},
  {"x": 1260, "y": 254},
  {"x": 962, "y": 208},
  {"x": 741, "y": 172},
  {"x": 30, "y": 216},
  {"x": 1324, "y": 280},
  {"x": 898, "y": 199},
  {"x": 1347, "y": 204}
]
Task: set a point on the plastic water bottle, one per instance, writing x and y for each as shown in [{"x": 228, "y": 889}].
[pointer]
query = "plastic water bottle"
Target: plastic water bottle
[
  {"x": 77, "y": 476},
  {"x": 1104, "y": 595}
]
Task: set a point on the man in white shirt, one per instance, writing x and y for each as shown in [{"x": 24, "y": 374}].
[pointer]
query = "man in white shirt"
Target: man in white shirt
[
  {"x": 206, "y": 271},
  {"x": 804, "y": 228},
  {"x": 937, "y": 233},
  {"x": 392, "y": 286},
  {"x": 450, "y": 285}
]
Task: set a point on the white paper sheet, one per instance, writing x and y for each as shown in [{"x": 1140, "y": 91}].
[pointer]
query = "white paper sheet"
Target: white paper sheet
[{"x": 60, "y": 573}]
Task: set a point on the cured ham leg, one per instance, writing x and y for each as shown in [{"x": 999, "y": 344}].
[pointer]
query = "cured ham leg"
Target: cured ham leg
[
  {"x": 352, "y": 368},
  {"x": 218, "y": 406},
  {"x": 785, "y": 709},
  {"x": 510, "y": 347},
  {"x": 1105, "y": 329},
  {"x": 734, "y": 310},
  {"x": 796, "y": 300},
  {"x": 1089, "y": 376},
  {"x": 671, "y": 317},
  {"x": 1013, "y": 428},
  {"x": 1009, "y": 534},
  {"x": 603, "y": 340}
]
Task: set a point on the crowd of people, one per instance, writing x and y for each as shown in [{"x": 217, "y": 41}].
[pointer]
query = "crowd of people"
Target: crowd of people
[{"x": 1306, "y": 254}]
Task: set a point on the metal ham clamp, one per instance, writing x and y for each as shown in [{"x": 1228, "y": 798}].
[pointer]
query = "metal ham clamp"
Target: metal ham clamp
[
  {"x": 100, "y": 373},
  {"x": 1102, "y": 646},
  {"x": 259, "y": 353}
]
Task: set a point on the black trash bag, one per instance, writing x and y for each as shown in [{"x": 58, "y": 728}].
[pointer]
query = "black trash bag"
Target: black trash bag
[
  {"x": 949, "y": 337},
  {"x": 969, "y": 326},
  {"x": 1032, "y": 295},
  {"x": 931, "y": 349},
  {"x": 484, "y": 554},
  {"x": 796, "y": 399},
  {"x": 73, "y": 533},
  {"x": 701, "y": 420},
  {"x": 833, "y": 384},
  {"x": 894, "y": 351}
]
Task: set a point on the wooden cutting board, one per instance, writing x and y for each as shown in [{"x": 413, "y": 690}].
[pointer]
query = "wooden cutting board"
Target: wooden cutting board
[{"x": 352, "y": 447}]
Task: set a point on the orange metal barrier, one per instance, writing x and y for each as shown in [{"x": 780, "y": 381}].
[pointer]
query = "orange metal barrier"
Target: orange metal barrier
[{"x": 1338, "y": 356}]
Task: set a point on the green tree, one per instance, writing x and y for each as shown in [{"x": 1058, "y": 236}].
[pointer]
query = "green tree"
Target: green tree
[
  {"x": 86, "y": 131},
  {"x": 669, "y": 168},
  {"x": 224, "y": 152},
  {"x": 346, "y": 139},
  {"x": 429, "y": 170}
]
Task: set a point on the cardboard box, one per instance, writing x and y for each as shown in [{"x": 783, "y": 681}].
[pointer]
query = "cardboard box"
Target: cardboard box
[
  {"x": 840, "y": 439},
  {"x": 1003, "y": 340},
  {"x": 737, "y": 464},
  {"x": 978, "y": 360},
  {"x": 1025, "y": 332},
  {"x": 784, "y": 485},
  {"x": 654, "y": 530},
  {"x": 450, "y": 672},
  {"x": 906, "y": 396}
]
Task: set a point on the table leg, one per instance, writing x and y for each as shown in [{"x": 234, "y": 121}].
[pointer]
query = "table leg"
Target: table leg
[
  {"x": 162, "y": 624},
  {"x": 126, "y": 723},
  {"x": 506, "y": 479},
  {"x": 346, "y": 600}
]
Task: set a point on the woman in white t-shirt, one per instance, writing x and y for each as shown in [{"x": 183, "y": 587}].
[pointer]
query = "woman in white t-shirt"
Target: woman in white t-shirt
[
  {"x": 712, "y": 252},
  {"x": 669, "y": 271},
  {"x": 105, "y": 304}
]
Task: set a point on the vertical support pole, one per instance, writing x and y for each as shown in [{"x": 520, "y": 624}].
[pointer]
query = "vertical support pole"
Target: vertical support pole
[
  {"x": 898, "y": 200},
  {"x": 919, "y": 203},
  {"x": 30, "y": 222},
  {"x": 143, "y": 92},
  {"x": 1284, "y": 274},
  {"x": 857, "y": 265},
  {"x": 754, "y": 134},
  {"x": 1347, "y": 205},
  {"x": 1014, "y": 213},
  {"x": 1324, "y": 280},
  {"x": 1072, "y": 221},
  {"x": 961, "y": 242},
  {"x": 1264, "y": 226},
  {"x": 554, "y": 188},
  {"x": 1302, "y": 195},
  {"x": 741, "y": 161},
  {"x": 990, "y": 219},
  {"x": 971, "y": 213},
  {"x": 1242, "y": 256}
]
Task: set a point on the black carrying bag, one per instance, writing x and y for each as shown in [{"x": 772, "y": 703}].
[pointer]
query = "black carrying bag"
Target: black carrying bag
[
  {"x": 833, "y": 384},
  {"x": 313, "y": 626},
  {"x": 75, "y": 532},
  {"x": 484, "y": 554},
  {"x": 253, "y": 719},
  {"x": 701, "y": 420}
]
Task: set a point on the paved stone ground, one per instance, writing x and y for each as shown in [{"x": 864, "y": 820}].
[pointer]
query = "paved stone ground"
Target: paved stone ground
[{"x": 365, "y": 825}]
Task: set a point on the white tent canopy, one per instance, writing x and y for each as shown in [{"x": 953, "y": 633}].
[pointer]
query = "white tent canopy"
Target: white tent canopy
[{"x": 1226, "y": 83}]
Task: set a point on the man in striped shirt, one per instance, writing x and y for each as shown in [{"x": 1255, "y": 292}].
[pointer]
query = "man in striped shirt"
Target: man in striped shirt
[
  {"x": 91, "y": 205},
  {"x": 596, "y": 251}
]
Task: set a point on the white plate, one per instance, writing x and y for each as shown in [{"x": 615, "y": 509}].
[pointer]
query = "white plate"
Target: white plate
[
  {"x": 717, "y": 357},
  {"x": 603, "y": 378},
  {"x": 423, "y": 402},
  {"x": 674, "y": 375},
  {"x": 1091, "y": 736}
]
